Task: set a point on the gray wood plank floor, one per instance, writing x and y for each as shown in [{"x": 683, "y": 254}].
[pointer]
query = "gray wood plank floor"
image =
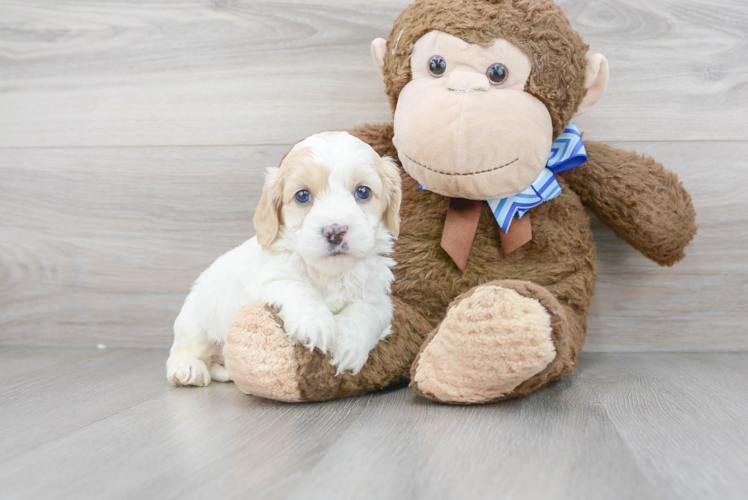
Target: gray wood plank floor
[{"x": 104, "y": 423}]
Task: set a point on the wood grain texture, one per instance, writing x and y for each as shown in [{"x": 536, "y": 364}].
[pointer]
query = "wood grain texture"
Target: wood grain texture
[
  {"x": 114, "y": 72},
  {"x": 104, "y": 226},
  {"x": 105, "y": 424},
  {"x": 107, "y": 242},
  {"x": 684, "y": 418},
  {"x": 101, "y": 245}
]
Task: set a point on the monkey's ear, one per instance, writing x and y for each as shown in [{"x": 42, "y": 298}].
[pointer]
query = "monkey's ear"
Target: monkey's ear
[
  {"x": 378, "y": 48},
  {"x": 595, "y": 81},
  {"x": 267, "y": 215}
]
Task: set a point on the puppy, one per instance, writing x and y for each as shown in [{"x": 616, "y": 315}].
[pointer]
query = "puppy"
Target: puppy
[{"x": 324, "y": 227}]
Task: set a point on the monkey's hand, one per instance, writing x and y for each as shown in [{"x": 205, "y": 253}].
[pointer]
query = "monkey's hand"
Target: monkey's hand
[{"x": 638, "y": 198}]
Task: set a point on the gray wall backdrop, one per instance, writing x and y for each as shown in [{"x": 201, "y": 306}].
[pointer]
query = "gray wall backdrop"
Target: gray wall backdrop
[{"x": 133, "y": 135}]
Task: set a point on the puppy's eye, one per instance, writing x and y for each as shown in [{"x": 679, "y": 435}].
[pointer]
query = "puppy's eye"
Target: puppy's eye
[
  {"x": 437, "y": 66},
  {"x": 363, "y": 193},
  {"x": 303, "y": 196},
  {"x": 497, "y": 73}
]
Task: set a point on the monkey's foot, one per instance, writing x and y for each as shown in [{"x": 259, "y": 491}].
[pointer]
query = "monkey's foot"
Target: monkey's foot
[
  {"x": 262, "y": 361},
  {"x": 494, "y": 339},
  {"x": 259, "y": 356}
]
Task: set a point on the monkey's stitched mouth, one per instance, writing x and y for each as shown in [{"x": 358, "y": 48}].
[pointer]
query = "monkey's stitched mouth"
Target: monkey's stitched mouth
[{"x": 466, "y": 173}]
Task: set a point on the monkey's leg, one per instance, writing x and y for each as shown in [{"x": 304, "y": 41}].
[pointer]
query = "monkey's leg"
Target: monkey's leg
[
  {"x": 499, "y": 340},
  {"x": 263, "y": 362}
]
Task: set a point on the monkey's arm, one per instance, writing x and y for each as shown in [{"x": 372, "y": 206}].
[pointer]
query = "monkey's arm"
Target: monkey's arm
[{"x": 638, "y": 198}]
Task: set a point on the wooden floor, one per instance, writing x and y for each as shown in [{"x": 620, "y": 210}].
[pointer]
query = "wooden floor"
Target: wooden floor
[{"x": 104, "y": 423}]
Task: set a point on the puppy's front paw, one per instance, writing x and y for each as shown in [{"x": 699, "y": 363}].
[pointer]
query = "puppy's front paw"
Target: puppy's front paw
[
  {"x": 351, "y": 349},
  {"x": 185, "y": 370},
  {"x": 349, "y": 356},
  {"x": 219, "y": 373},
  {"x": 312, "y": 326}
]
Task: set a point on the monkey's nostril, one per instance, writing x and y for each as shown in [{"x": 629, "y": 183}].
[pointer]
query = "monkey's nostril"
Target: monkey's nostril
[{"x": 334, "y": 233}]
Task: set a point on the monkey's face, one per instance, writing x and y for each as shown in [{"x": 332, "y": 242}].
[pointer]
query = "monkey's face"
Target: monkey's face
[{"x": 464, "y": 126}]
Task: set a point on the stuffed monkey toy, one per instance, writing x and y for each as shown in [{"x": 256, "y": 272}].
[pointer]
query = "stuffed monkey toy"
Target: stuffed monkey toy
[{"x": 495, "y": 258}]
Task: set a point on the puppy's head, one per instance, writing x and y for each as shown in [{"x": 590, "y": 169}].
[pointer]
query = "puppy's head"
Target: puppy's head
[{"x": 333, "y": 200}]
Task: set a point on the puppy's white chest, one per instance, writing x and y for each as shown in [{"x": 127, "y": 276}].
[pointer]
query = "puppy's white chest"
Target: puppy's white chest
[{"x": 339, "y": 295}]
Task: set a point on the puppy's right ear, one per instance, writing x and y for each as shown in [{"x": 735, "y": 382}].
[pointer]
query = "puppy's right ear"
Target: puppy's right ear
[{"x": 267, "y": 216}]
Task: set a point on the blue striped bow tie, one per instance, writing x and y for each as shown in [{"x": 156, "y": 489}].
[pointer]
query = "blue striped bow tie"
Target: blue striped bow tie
[{"x": 567, "y": 152}]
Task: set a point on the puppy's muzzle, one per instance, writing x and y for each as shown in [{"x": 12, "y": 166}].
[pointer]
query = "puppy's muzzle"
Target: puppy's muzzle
[{"x": 334, "y": 233}]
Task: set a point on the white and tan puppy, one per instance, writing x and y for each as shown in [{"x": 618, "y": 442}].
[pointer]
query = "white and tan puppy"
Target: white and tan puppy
[{"x": 325, "y": 226}]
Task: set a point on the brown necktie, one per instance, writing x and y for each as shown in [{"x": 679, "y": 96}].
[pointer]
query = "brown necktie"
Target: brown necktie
[{"x": 462, "y": 223}]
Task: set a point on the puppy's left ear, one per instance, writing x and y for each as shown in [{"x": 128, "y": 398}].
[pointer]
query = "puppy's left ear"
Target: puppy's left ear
[
  {"x": 267, "y": 215},
  {"x": 393, "y": 195}
]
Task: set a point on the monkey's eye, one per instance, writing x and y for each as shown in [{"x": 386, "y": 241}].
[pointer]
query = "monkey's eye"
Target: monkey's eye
[
  {"x": 363, "y": 193},
  {"x": 303, "y": 197},
  {"x": 497, "y": 73},
  {"x": 437, "y": 66}
]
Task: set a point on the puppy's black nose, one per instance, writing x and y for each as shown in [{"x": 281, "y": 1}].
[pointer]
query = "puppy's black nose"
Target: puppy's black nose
[{"x": 334, "y": 233}]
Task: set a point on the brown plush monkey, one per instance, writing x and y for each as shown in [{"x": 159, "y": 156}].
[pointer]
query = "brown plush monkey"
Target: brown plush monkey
[{"x": 480, "y": 89}]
